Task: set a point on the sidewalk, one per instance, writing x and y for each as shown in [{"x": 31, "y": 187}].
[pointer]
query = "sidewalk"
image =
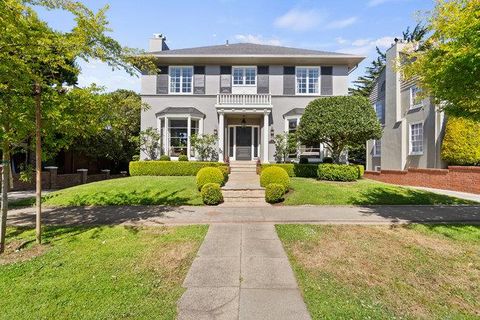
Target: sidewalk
[
  {"x": 451, "y": 193},
  {"x": 241, "y": 272}
]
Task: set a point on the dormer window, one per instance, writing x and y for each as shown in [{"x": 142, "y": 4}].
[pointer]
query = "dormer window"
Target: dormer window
[
  {"x": 307, "y": 79},
  {"x": 181, "y": 79},
  {"x": 244, "y": 76}
]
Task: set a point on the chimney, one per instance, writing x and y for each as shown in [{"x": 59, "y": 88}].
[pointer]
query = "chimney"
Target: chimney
[{"x": 157, "y": 43}]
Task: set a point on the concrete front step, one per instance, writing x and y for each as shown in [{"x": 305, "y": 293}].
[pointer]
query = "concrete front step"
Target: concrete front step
[{"x": 243, "y": 193}]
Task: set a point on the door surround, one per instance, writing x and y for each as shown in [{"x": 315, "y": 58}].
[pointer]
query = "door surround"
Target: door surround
[{"x": 232, "y": 149}]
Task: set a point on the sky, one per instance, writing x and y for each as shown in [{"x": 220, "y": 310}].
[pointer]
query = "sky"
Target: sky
[{"x": 348, "y": 26}]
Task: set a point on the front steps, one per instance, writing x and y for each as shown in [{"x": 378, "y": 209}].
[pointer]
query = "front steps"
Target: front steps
[{"x": 243, "y": 186}]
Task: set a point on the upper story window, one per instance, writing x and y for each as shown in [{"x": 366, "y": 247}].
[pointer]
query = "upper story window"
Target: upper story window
[
  {"x": 181, "y": 79},
  {"x": 308, "y": 79},
  {"x": 415, "y": 97},
  {"x": 416, "y": 138},
  {"x": 244, "y": 76},
  {"x": 379, "y": 110}
]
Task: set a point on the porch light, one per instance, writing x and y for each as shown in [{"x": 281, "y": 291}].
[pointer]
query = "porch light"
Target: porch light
[
  {"x": 272, "y": 133},
  {"x": 244, "y": 122}
]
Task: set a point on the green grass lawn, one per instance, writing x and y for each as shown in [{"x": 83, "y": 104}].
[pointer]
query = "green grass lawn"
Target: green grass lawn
[
  {"x": 361, "y": 192},
  {"x": 146, "y": 190},
  {"x": 383, "y": 272},
  {"x": 97, "y": 273}
]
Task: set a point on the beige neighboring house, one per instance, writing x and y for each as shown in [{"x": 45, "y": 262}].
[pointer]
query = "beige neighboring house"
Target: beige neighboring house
[
  {"x": 244, "y": 93},
  {"x": 413, "y": 128}
]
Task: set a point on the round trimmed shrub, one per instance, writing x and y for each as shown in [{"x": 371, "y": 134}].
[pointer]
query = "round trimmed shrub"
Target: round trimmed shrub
[
  {"x": 209, "y": 175},
  {"x": 164, "y": 158},
  {"x": 182, "y": 157},
  {"x": 274, "y": 193},
  {"x": 212, "y": 194},
  {"x": 337, "y": 172},
  {"x": 275, "y": 174}
]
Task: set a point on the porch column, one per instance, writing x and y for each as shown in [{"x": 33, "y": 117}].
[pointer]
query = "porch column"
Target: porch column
[
  {"x": 221, "y": 132},
  {"x": 189, "y": 131},
  {"x": 266, "y": 133},
  {"x": 165, "y": 136}
]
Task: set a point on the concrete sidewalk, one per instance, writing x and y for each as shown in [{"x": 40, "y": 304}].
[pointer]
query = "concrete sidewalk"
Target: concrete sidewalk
[
  {"x": 451, "y": 193},
  {"x": 241, "y": 272},
  {"x": 162, "y": 215}
]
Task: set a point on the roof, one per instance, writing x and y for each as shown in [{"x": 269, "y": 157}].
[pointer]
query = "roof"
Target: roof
[
  {"x": 246, "y": 49},
  {"x": 294, "y": 112},
  {"x": 250, "y": 53},
  {"x": 181, "y": 110}
]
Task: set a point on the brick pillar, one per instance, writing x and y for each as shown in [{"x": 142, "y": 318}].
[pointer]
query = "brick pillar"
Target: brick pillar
[
  {"x": 53, "y": 171},
  {"x": 83, "y": 175},
  {"x": 106, "y": 172}
]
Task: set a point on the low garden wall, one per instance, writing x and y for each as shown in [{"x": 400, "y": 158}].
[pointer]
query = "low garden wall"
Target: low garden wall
[{"x": 457, "y": 178}]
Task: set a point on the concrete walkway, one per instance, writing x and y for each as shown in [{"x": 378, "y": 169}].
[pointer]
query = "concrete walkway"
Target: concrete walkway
[
  {"x": 451, "y": 193},
  {"x": 241, "y": 272}
]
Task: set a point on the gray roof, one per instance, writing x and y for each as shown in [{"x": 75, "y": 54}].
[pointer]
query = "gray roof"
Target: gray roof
[
  {"x": 181, "y": 110},
  {"x": 246, "y": 49},
  {"x": 294, "y": 112}
]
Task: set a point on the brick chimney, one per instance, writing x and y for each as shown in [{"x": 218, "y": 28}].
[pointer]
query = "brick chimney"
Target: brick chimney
[{"x": 157, "y": 43}]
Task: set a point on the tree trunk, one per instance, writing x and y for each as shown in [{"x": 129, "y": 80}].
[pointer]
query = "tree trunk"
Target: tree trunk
[
  {"x": 5, "y": 187},
  {"x": 38, "y": 163}
]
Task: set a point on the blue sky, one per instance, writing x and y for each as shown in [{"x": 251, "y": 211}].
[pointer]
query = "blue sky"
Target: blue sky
[{"x": 349, "y": 26}]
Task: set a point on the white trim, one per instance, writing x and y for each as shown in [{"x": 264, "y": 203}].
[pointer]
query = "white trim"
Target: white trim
[
  {"x": 319, "y": 81},
  {"x": 244, "y": 76},
  {"x": 235, "y": 126},
  {"x": 181, "y": 77},
  {"x": 410, "y": 139},
  {"x": 166, "y": 137}
]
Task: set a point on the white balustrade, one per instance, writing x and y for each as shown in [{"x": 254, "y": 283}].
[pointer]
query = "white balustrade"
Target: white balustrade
[{"x": 244, "y": 99}]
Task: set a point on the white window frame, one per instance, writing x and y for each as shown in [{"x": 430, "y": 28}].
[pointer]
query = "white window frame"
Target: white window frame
[
  {"x": 410, "y": 146},
  {"x": 412, "y": 100},
  {"x": 308, "y": 81},
  {"x": 181, "y": 81},
  {"x": 375, "y": 151},
  {"x": 244, "y": 77},
  {"x": 287, "y": 129}
]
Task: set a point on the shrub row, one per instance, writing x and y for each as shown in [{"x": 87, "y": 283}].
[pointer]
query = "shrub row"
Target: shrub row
[
  {"x": 172, "y": 168},
  {"x": 338, "y": 172},
  {"x": 296, "y": 170},
  {"x": 324, "y": 171}
]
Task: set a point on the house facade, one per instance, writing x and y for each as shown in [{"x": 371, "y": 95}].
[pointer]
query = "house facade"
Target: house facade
[
  {"x": 243, "y": 93},
  {"x": 413, "y": 127}
]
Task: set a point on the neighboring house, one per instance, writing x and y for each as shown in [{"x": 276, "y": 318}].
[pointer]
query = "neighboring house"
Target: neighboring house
[
  {"x": 244, "y": 93},
  {"x": 413, "y": 128}
]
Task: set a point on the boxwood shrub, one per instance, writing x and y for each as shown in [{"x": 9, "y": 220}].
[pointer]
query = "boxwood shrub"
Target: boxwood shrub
[
  {"x": 164, "y": 158},
  {"x": 182, "y": 157},
  {"x": 274, "y": 192},
  {"x": 172, "y": 168},
  {"x": 212, "y": 194},
  {"x": 337, "y": 172},
  {"x": 297, "y": 170},
  {"x": 275, "y": 174},
  {"x": 209, "y": 175}
]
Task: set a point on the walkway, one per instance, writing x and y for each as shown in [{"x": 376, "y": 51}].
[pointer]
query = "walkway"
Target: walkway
[
  {"x": 451, "y": 193},
  {"x": 241, "y": 272}
]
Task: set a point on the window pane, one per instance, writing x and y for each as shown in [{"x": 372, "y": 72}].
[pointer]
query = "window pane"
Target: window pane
[
  {"x": 255, "y": 142},
  {"x": 181, "y": 79},
  {"x": 250, "y": 75},
  {"x": 301, "y": 80},
  {"x": 238, "y": 76},
  {"x": 292, "y": 125},
  {"x": 231, "y": 137},
  {"x": 313, "y": 80},
  {"x": 416, "y": 138}
]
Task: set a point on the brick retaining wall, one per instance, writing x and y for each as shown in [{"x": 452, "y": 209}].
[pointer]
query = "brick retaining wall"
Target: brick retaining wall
[{"x": 457, "y": 178}]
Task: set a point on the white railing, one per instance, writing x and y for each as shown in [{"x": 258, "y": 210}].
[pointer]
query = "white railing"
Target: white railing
[{"x": 243, "y": 99}]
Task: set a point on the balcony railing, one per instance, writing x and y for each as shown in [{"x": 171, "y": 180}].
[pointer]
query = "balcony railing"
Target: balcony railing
[{"x": 244, "y": 99}]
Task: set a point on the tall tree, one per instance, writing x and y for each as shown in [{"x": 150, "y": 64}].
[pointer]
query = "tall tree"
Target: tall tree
[{"x": 448, "y": 65}]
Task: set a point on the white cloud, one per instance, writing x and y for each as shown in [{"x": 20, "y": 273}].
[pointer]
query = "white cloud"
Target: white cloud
[
  {"x": 299, "y": 20},
  {"x": 343, "y": 23},
  {"x": 341, "y": 40},
  {"x": 367, "y": 46},
  {"x": 374, "y": 3},
  {"x": 258, "y": 39}
]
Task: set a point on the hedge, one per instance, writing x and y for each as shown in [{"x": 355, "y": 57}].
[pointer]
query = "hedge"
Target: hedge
[
  {"x": 172, "y": 168},
  {"x": 274, "y": 192},
  {"x": 296, "y": 170},
  {"x": 461, "y": 145},
  {"x": 212, "y": 194},
  {"x": 275, "y": 174},
  {"x": 337, "y": 172},
  {"x": 182, "y": 157},
  {"x": 361, "y": 170},
  {"x": 209, "y": 175},
  {"x": 164, "y": 158}
]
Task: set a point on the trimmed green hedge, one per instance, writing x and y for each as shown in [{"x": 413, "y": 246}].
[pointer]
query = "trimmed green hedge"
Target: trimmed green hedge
[
  {"x": 461, "y": 145},
  {"x": 164, "y": 158},
  {"x": 296, "y": 170},
  {"x": 274, "y": 193},
  {"x": 172, "y": 168},
  {"x": 182, "y": 157},
  {"x": 275, "y": 174},
  {"x": 338, "y": 172},
  {"x": 212, "y": 194},
  {"x": 209, "y": 175}
]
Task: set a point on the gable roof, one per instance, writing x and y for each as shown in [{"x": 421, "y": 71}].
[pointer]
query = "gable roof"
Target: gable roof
[{"x": 294, "y": 112}]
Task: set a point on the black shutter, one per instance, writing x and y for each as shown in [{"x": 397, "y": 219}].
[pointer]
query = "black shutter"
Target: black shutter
[
  {"x": 288, "y": 80},
  {"x": 326, "y": 81},
  {"x": 162, "y": 80},
  {"x": 263, "y": 85},
  {"x": 199, "y": 79},
  {"x": 225, "y": 79}
]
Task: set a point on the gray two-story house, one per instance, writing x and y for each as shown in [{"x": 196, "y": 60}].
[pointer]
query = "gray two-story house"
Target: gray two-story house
[{"x": 244, "y": 93}]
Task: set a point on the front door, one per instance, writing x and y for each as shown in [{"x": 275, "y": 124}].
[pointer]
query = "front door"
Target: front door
[{"x": 244, "y": 143}]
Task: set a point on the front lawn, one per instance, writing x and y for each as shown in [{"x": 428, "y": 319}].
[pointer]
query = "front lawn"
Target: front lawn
[
  {"x": 361, "y": 192},
  {"x": 145, "y": 190},
  {"x": 383, "y": 272},
  {"x": 97, "y": 273}
]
